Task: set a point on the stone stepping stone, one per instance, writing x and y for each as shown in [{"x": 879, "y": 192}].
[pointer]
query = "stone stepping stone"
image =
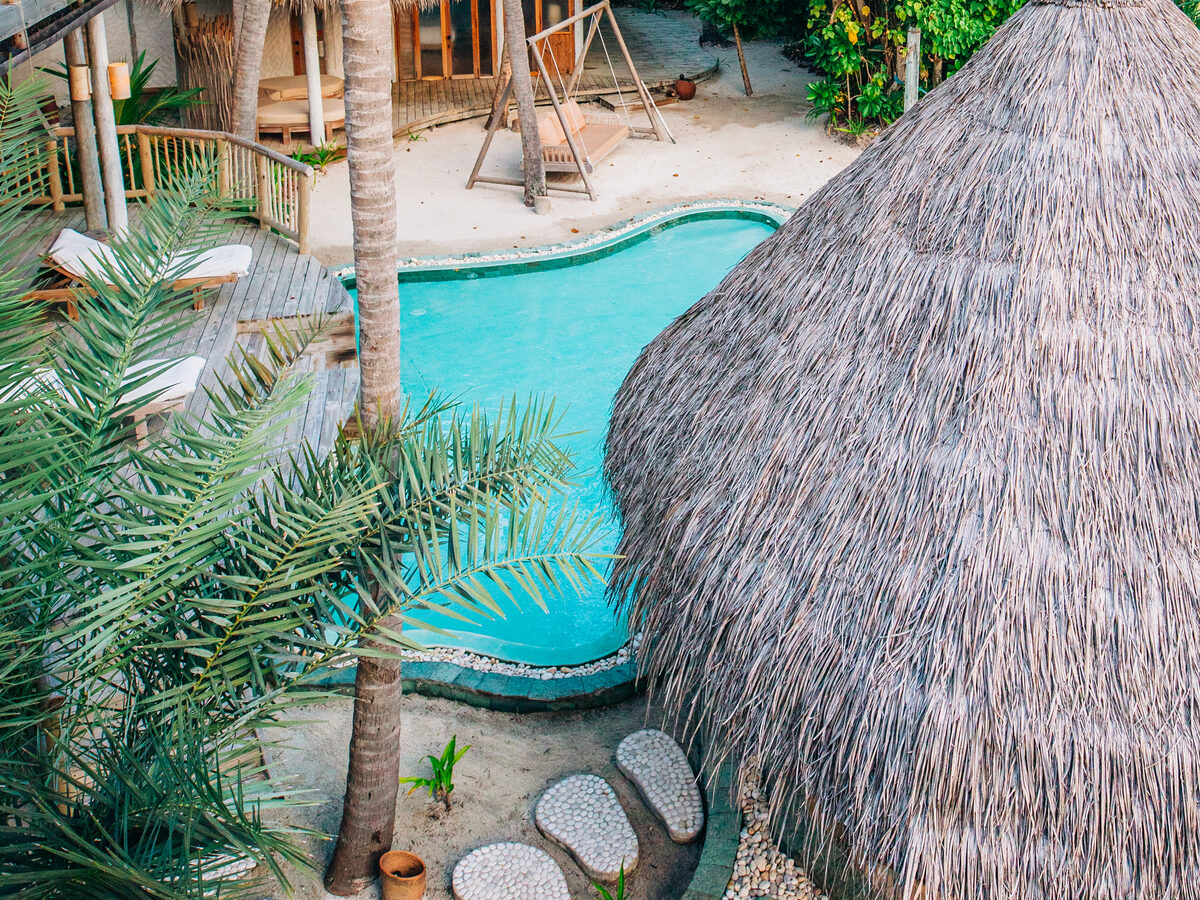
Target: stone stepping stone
[
  {"x": 659, "y": 769},
  {"x": 582, "y": 814},
  {"x": 509, "y": 871}
]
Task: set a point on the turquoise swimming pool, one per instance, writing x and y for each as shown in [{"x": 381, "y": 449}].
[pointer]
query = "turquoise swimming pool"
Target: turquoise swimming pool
[{"x": 571, "y": 331}]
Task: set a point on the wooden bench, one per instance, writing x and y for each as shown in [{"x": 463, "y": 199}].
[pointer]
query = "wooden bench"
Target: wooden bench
[{"x": 596, "y": 135}]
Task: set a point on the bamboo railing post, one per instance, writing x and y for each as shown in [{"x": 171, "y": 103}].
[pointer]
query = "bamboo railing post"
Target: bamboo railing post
[
  {"x": 146, "y": 163},
  {"x": 223, "y": 169},
  {"x": 264, "y": 184},
  {"x": 54, "y": 176},
  {"x": 303, "y": 211}
]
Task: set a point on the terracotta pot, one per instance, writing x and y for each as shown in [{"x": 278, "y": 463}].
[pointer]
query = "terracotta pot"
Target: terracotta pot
[
  {"x": 685, "y": 88},
  {"x": 402, "y": 875}
]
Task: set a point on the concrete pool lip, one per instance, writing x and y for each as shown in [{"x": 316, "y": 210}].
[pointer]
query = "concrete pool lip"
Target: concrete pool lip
[{"x": 577, "y": 250}]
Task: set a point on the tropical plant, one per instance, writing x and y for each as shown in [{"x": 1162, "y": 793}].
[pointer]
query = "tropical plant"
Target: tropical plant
[
  {"x": 441, "y": 782},
  {"x": 163, "y": 608},
  {"x": 741, "y": 18},
  {"x": 251, "y": 18},
  {"x": 145, "y": 105},
  {"x": 603, "y": 893},
  {"x": 320, "y": 156}
]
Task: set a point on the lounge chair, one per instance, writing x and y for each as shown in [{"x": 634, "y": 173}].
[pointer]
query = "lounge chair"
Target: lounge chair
[
  {"x": 74, "y": 255},
  {"x": 164, "y": 393},
  {"x": 292, "y": 115},
  {"x": 596, "y": 135}
]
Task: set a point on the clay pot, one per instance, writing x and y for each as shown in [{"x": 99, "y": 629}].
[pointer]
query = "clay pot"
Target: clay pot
[
  {"x": 685, "y": 88},
  {"x": 402, "y": 875}
]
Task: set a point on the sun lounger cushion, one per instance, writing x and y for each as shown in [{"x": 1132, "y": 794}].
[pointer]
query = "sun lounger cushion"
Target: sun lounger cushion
[
  {"x": 294, "y": 113},
  {"x": 171, "y": 385},
  {"x": 576, "y": 120},
  {"x": 77, "y": 254},
  {"x": 295, "y": 87}
]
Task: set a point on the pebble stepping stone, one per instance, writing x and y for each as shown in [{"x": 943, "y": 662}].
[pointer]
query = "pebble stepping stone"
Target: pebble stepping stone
[
  {"x": 659, "y": 769},
  {"x": 509, "y": 871},
  {"x": 582, "y": 814}
]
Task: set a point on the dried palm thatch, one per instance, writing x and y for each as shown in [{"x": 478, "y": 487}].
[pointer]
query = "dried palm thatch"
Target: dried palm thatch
[{"x": 911, "y": 499}]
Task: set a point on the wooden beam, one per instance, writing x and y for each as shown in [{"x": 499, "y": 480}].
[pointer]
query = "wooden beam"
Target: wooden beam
[
  {"x": 106, "y": 127},
  {"x": 85, "y": 141}
]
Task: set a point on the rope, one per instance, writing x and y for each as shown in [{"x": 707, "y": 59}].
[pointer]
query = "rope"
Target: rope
[{"x": 613, "y": 72}]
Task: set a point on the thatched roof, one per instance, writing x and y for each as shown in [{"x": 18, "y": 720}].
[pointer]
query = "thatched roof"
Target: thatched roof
[{"x": 912, "y": 499}]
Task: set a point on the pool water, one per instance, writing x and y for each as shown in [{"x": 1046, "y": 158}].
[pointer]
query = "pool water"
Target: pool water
[{"x": 571, "y": 333}]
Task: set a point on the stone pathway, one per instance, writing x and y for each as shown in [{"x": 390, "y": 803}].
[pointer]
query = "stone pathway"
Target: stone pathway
[
  {"x": 509, "y": 871},
  {"x": 658, "y": 768},
  {"x": 582, "y": 814}
]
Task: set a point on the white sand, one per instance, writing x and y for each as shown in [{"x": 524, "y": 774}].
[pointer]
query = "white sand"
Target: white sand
[
  {"x": 729, "y": 146},
  {"x": 512, "y": 760}
]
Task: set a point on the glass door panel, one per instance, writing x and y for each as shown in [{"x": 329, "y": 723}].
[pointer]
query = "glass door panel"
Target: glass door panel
[{"x": 429, "y": 43}]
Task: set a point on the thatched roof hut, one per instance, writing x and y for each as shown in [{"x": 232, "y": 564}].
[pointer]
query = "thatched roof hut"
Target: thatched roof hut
[{"x": 911, "y": 499}]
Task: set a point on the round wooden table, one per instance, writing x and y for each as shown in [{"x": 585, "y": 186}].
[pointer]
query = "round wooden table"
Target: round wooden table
[{"x": 295, "y": 87}]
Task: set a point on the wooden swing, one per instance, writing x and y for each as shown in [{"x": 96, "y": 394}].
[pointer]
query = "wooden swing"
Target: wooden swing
[{"x": 573, "y": 140}]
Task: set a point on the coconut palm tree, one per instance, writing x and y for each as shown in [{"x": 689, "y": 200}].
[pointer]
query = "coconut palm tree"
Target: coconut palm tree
[
  {"x": 163, "y": 607},
  {"x": 372, "y": 778},
  {"x": 250, "y": 37}
]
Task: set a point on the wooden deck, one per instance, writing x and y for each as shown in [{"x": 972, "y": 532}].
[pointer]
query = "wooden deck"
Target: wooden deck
[
  {"x": 282, "y": 285},
  {"x": 662, "y": 46}
]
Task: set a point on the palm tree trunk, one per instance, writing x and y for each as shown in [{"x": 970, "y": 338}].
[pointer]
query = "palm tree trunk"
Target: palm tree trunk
[
  {"x": 737, "y": 39},
  {"x": 372, "y": 778},
  {"x": 518, "y": 56},
  {"x": 251, "y": 37}
]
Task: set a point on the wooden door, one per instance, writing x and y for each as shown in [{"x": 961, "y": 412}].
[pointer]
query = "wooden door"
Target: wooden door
[
  {"x": 454, "y": 39},
  {"x": 298, "y": 67},
  {"x": 558, "y": 50}
]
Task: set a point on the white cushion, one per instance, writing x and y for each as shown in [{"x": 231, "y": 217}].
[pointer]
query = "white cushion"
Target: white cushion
[
  {"x": 175, "y": 382},
  {"x": 77, "y": 254}
]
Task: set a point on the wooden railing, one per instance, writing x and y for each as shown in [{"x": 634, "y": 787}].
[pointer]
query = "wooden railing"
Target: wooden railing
[{"x": 151, "y": 157}]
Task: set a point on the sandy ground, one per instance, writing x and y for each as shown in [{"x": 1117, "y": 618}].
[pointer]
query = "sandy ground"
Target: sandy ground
[
  {"x": 729, "y": 145},
  {"x": 513, "y": 758}
]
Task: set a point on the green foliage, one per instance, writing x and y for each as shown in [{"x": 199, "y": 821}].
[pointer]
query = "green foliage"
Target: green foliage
[
  {"x": 754, "y": 18},
  {"x": 164, "y": 608},
  {"x": 441, "y": 782},
  {"x": 319, "y": 157},
  {"x": 603, "y": 893},
  {"x": 858, "y": 46},
  {"x": 145, "y": 105}
]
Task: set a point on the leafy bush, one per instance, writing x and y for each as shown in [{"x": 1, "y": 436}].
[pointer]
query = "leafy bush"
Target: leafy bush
[{"x": 859, "y": 48}]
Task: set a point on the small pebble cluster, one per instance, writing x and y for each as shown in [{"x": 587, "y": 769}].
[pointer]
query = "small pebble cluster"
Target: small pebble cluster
[
  {"x": 761, "y": 870},
  {"x": 658, "y": 768},
  {"x": 468, "y": 660},
  {"x": 583, "y": 815},
  {"x": 509, "y": 871}
]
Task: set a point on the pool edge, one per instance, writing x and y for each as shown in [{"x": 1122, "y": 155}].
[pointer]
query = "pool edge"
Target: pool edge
[{"x": 606, "y": 240}]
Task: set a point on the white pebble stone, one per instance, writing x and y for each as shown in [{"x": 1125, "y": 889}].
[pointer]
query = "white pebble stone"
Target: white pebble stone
[
  {"x": 582, "y": 814},
  {"x": 658, "y": 768},
  {"x": 508, "y": 871}
]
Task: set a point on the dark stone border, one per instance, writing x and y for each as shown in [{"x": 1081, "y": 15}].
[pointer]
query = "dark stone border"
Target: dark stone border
[
  {"x": 512, "y": 693},
  {"x": 722, "y": 836}
]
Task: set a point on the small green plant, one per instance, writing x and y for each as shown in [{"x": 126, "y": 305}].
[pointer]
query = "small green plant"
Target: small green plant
[
  {"x": 441, "y": 784},
  {"x": 416, "y": 136},
  {"x": 603, "y": 893},
  {"x": 319, "y": 157}
]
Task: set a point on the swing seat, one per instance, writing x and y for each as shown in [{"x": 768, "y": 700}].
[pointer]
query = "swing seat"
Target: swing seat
[{"x": 596, "y": 135}]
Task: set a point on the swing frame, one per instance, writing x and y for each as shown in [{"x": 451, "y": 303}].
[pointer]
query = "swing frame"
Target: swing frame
[{"x": 656, "y": 129}]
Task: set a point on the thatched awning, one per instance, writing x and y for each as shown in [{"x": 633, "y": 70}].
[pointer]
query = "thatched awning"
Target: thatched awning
[{"x": 912, "y": 499}]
